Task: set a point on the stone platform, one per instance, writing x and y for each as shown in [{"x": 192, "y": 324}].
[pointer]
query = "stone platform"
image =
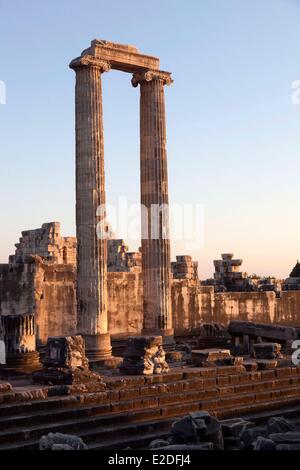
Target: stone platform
[{"x": 137, "y": 409}]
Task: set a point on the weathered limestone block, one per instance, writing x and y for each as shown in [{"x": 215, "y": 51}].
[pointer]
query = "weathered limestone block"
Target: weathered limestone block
[
  {"x": 66, "y": 351},
  {"x": 206, "y": 357},
  {"x": 263, "y": 330},
  {"x": 267, "y": 350},
  {"x": 144, "y": 356},
  {"x": 59, "y": 441}
]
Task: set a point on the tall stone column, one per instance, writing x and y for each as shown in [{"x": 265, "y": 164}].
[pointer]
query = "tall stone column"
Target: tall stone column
[
  {"x": 90, "y": 194},
  {"x": 156, "y": 266}
]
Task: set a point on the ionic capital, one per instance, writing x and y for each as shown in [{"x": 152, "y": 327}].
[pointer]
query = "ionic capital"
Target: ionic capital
[
  {"x": 148, "y": 75},
  {"x": 90, "y": 61}
]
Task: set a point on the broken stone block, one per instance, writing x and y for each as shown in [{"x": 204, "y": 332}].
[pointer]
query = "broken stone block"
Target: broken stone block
[
  {"x": 144, "y": 356},
  {"x": 263, "y": 330},
  {"x": 207, "y": 357},
  {"x": 279, "y": 424},
  {"x": 198, "y": 427},
  {"x": 267, "y": 350},
  {"x": 183, "y": 431},
  {"x": 65, "y": 351},
  {"x": 52, "y": 440},
  {"x": 234, "y": 427},
  {"x": 265, "y": 364},
  {"x": 263, "y": 443},
  {"x": 66, "y": 365},
  {"x": 249, "y": 436}
]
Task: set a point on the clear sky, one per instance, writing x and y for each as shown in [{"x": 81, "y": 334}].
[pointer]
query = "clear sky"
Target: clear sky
[{"x": 233, "y": 132}]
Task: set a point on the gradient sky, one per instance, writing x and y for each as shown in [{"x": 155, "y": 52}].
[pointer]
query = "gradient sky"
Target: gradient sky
[{"x": 233, "y": 132}]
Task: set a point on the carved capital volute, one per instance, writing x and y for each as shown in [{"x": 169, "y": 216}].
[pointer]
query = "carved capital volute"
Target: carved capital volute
[
  {"x": 148, "y": 75},
  {"x": 90, "y": 61}
]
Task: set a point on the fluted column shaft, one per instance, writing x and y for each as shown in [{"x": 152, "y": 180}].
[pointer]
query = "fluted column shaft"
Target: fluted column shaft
[
  {"x": 90, "y": 194},
  {"x": 156, "y": 266}
]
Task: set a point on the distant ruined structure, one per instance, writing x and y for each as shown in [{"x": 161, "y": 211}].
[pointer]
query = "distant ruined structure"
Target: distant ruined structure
[
  {"x": 228, "y": 278},
  {"x": 95, "y": 287},
  {"x": 115, "y": 346}
]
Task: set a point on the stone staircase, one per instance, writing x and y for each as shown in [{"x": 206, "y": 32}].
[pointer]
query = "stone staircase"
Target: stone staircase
[{"x": 135, "y": 410}]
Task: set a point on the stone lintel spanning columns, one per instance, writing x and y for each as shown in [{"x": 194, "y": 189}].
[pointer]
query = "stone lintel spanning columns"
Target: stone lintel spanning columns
[
  {"x": 123, "y": 57},
  {"x": 154, "y": 193},
  {"x": 90, "y": 194}
]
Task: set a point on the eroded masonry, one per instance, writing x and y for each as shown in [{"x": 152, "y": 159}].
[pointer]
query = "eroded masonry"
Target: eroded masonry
[{"x": 109, "y": 349}]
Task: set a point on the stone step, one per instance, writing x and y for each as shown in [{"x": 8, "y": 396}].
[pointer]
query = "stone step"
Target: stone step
[
  {"x": 31, "y": 414},
  {"x": 237, "y": 382},
  {"x": 79, "y": 424},
  {"x": 139, "y": 437},
  {"x": 96, "y": 436}
]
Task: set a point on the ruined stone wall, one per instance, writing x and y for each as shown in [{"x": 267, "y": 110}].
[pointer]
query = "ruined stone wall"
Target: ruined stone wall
[
  {"x": 40, "y": 279},
  {"x": 251, "y": 306},
  {"x": 48, "y": 291},
  {"x": 45, "y": 242},
  {"x": 45, "y": 290},
  {"x": 16, "y": 288},
  {"x": 125, "y": 301},
  {"x": 55, "y": 301},
  {"x": 287, "y": 310},
  {"x": 192, "y": 304}
]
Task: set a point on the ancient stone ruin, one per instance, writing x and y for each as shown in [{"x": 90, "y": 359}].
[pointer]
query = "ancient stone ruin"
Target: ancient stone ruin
[{"x": 111, "y": 349}]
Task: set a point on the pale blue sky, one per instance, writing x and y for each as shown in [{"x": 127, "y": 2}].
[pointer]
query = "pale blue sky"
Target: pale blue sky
[{"x": 233, "y": 132}]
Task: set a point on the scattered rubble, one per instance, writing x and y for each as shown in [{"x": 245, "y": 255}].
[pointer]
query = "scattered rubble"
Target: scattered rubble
[
  {"x": 58, "y": 441},
  {"x": 201, "y": 431},
  {"x": 66, "y": 366}
]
